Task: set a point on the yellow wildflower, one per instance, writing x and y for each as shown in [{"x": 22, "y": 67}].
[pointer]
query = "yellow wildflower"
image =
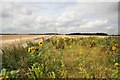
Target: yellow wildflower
[
  {"x": 29, "y": 49},
  {"x": 32, "y": 49},
  {"x": 116, "y": 64},
  {"x": 114, "y": 60},
  {"x": 114, "y": 48},
  {"x": 40, "y": 43},
  {"x": 90, "y": 45},
  {"x": 70, "y": 46}
]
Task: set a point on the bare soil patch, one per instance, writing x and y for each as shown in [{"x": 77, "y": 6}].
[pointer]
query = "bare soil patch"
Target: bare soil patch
[
  {"x": 5, "y": 40},
  {"x": 12, "y": 37}
]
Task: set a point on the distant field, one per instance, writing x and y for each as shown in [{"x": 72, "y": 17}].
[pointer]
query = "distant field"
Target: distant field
[
  {"x": 79, "y": 36},
  {"x": 12, "y": 37},
  {"x": 8, "y": 39}
]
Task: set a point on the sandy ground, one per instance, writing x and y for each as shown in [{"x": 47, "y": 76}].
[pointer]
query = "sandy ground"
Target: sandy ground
[{"x": 13, "y": 39}]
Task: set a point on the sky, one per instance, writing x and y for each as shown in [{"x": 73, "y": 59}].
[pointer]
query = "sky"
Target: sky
[{"x": 30, "y": 16}]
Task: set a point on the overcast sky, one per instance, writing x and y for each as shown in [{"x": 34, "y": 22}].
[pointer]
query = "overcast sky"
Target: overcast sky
[{"x": 60, "y": 17}]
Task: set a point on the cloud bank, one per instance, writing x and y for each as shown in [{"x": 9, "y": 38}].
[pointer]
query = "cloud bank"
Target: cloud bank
[{"x": 61, "y": 17}]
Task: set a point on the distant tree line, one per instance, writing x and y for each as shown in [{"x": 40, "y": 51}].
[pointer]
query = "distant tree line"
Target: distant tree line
[
  {"x": 30, "y": 34},
  {"x": 101, "y": 34},
  {"x": 88, "y": 34}
]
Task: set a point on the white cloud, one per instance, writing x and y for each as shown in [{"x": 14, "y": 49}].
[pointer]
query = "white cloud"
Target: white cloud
[
  {"x": 60, "y": 17},
  {"x": 92, "y": 24}
]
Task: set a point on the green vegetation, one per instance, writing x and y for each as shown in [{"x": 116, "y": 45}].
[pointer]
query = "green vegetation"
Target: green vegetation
[{"x": 59, "y": 57}]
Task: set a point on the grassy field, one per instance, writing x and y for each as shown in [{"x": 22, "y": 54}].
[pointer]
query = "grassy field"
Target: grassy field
[{"x": 63, "y": 57}]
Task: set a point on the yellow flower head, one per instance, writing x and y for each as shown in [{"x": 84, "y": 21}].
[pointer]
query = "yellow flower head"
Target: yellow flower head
[
  {"x": 116, "y": 64},
  {"x": 90, "y": 45},
  {"x": 114, "y": 48},
  {"x": 114, "y": 60},
  {"x": 40, "y": 43},
  {"x": 32, "y": 49},
  {"x": 29, "y": 49},
  {"x": 70, "y": 46}
]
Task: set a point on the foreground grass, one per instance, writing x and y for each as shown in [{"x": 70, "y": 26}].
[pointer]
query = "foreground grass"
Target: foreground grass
[{"x": 59, "y": 57}]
